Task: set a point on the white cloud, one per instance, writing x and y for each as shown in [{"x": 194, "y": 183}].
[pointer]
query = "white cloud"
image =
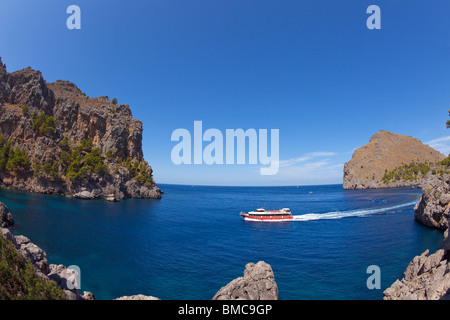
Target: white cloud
[
  {"x": 312, "y": 168},
  {"x": 441, "y": 144},
  {"x": 306, "y": 157}
]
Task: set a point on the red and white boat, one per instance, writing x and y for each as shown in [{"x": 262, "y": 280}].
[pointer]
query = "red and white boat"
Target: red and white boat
[{"x": 268, "y": 215}]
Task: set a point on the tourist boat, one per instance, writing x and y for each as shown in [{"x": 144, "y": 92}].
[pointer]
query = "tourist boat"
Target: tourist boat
[{"x": 268, "y": 215}]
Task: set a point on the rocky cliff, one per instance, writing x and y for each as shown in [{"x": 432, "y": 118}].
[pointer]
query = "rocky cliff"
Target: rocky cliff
[
  {"x": 427, "y": 276},
  {"x": 54, "y": 139},
  {"x": 433, "y": 209},
  {"x": 389, "y": 160}
]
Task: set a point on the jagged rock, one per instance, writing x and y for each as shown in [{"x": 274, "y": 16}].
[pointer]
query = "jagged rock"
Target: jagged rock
[
  {"x": 258, "y": 283},
  {"x": 63, "y": 276},
  {"x": 6, "y": 218},
  {"x": 137, "y": 297},
  {"x": 136, "y": 190},
  {"x": 84, "y": 195},
  {"x": 88, "y": 296},
  {"x": 31, "y": 252},
  {"x": 67, "y": 279},
  {"x": 445, "y": 244},
  {"x": 433, "y": 210},
  {"x": 385, "y": 151},
  {"x": 427, "y": 277},
  {"x": 7, "y": 235},
  {"x": 111, "y": 197}
]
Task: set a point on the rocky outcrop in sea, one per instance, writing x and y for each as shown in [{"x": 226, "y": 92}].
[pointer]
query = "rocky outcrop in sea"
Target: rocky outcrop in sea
[
  {"x": 55, "y": 139},
  {"x": 258, "y": 283},
  {"x": 385, "y": 152}
]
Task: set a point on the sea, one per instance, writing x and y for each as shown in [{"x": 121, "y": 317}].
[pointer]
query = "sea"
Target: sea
[{"x": 193, "y": 241}]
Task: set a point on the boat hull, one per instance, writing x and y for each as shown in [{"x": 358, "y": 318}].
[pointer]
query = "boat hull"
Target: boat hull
[{"x": 266, "y": 218}]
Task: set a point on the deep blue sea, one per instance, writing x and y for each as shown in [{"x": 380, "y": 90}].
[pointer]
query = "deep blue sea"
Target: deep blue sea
[{"x": 192, "y": 242}]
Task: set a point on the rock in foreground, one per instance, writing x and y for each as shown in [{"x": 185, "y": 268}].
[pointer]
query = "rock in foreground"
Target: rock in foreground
[
  {"x": 258, "y": 283},
  {"x": 426, "y": 278}
]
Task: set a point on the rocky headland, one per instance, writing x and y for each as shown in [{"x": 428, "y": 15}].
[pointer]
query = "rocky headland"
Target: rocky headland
[
  {"x": 389, "y": 160},
  {"x": 56, "y": 140}
]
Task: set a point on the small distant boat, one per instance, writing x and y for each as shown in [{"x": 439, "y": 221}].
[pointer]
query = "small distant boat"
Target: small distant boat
[{"x": 268, "y": 215}]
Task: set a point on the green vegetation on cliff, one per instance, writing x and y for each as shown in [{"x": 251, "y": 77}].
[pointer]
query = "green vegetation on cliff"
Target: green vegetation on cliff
[
  {"x": 47, "y": 170},
  {"x": 18, "y": 280},
  {"x": 14, "y": 160},
  {"x": 84, "y": 160},
  {"x": 408, "y": 172},
  {"x": 77, "y": 163},
  {"x": 416, "y": 171},
  {"x": 445, "y": 162},
  {"x": 43, "y": 124},
  {"x": 138, "y": 170},
  {"x": 74, "y": 163}
]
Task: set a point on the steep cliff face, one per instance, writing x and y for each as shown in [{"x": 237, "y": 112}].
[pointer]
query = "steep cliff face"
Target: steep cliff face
[
  {"x": 55, "y": 139},
  {"x": 433, "y": 209},
  {"x": 385, "y": 152}
]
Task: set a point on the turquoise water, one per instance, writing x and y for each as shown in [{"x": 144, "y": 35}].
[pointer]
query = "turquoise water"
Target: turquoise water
[{"x": 192, "y": 242}]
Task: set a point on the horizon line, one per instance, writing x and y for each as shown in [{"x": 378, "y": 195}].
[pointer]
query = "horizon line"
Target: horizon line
[{"x": 250, "y": 186}]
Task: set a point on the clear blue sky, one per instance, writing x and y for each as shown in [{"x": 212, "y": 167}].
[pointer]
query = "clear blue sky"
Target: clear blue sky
[{"x": 311, "y": 69}]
